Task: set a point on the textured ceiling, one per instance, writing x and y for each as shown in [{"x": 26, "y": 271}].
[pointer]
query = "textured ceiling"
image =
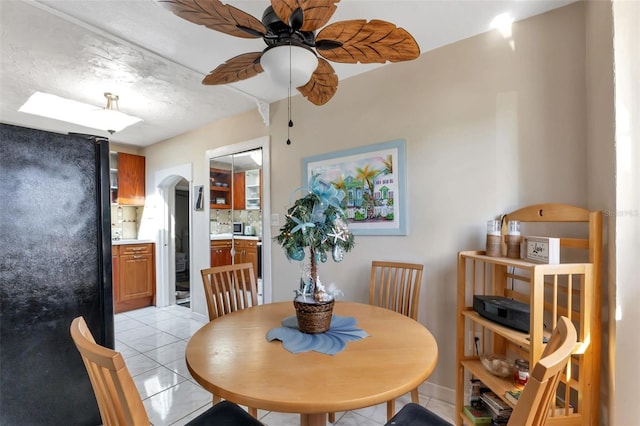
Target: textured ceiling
[{"x": 155, "y": 61}]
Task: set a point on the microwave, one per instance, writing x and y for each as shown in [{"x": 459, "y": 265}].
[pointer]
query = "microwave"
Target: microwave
[{"x": 238, "y": 228}]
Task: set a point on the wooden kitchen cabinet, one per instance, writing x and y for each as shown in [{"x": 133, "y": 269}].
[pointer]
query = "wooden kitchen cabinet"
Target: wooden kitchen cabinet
[
  {"x": 220, "y": 252},
  {"x": 238, "y": 191},
  {"x": 115, "y": 271},
  {"x": 127, "y": 179},
  {"x": 247, "y": 190},
  {"x": 220, "y": 188},
  {"x": 134, "y": 276},
  {"x": 247, "y": 252}
]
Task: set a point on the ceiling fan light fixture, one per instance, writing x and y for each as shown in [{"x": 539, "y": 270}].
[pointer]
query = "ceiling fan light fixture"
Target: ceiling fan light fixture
[
  {"x": 289, "y": 64},
  {"x": 288, "y": 28}
]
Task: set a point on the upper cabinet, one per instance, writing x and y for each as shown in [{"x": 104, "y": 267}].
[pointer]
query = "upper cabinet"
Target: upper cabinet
[
  {"x": 253, "y": 189},
  {"x": 127, "y": 173},
  {"x": 220, "y": 188},
  {"x": 239, "y": 190}
]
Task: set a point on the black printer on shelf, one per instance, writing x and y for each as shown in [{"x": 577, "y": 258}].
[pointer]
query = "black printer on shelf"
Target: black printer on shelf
[{"x": 502, "y": 310}]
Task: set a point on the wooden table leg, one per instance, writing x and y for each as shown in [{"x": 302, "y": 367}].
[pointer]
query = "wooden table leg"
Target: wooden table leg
[{"x": 315, "y": 419}]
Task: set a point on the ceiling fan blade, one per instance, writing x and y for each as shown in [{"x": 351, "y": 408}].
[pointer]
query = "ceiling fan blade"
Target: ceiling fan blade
[
  {"x": 322, "y": 85},
  {"x": 315, "y": 13},
  {"x": 217, "y": 16},
  {"x": 235, "y": 69},
  {"x": 366, "y": 42}
]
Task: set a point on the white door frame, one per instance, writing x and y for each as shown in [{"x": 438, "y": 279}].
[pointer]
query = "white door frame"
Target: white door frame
[{"x": 165, "y": 183}]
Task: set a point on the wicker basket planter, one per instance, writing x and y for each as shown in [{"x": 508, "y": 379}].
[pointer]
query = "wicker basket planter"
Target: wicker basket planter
[{"x": 314, "y": 318}]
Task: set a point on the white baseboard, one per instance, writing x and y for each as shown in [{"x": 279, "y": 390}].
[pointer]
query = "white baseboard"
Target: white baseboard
[
  {"x": 199, "y": 317},
  {"x": 442, "y": 393}
]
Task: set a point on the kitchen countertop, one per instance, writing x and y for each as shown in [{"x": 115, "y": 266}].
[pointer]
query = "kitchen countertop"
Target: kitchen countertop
[
  {"x": 215, "y": 237},
  {"x": 121, "y": 242}
]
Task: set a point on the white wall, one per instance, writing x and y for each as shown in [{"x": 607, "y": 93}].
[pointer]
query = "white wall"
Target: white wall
[
  {"x": 191, "y": 149},
  {"x": 627, "y": 212},
  {"x": 601, "y": 167},
  {"x": 491, "y": 124},
  {"x": 488, "y": 129}
]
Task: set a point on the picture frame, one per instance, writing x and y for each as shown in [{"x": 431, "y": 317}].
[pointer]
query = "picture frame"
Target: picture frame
[
  {"x": 373, "y": 179},
  {"x": 198, "y": 198}
]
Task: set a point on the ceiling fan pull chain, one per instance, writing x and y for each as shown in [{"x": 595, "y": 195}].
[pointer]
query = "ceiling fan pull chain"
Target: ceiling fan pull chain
[{"x": 290, "y": 124}]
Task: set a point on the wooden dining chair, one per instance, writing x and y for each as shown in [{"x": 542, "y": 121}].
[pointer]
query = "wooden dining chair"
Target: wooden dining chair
[
  {"x": 396, "y": 286},
  {"x": 538, "y": 396},
  {"x": 229, "y": 288},
  {"x": 118, "y": 398}
]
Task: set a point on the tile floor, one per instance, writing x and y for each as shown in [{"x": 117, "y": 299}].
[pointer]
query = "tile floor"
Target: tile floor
[{"x": 153, "y": 341}]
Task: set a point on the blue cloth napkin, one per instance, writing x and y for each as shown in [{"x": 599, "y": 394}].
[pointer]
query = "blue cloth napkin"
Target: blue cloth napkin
[{"x": 332, "y": 341}]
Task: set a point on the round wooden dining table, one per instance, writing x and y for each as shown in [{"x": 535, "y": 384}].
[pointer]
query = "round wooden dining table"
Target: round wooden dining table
[{"x": 231, "y": 357}]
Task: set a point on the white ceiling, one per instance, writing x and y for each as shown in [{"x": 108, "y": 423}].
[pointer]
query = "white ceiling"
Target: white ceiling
[{"x": 155, "y": 61}]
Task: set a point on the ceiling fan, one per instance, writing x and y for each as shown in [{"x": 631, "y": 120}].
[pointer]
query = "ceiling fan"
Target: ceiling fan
[{"x": 294, "y": 23}]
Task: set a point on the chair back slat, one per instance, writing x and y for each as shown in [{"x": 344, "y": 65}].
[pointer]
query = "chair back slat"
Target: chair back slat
[
  {"x": 116, "y": 393},
  {"x": 396, "y": 286},
  {"x": 229, "y": 288},
  {"x": 539, "y": 394}
]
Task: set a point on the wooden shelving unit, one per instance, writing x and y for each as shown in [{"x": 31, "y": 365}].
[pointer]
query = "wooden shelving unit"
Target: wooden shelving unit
[
  {"x": 220, "y": 188},
  {"x": 567, "y": 289}
]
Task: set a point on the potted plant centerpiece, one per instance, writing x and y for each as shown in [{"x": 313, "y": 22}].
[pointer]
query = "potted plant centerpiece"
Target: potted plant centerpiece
[{"x": 315, "y": 223}]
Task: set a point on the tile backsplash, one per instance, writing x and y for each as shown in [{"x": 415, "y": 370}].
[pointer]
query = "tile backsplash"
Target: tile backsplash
[
  {"x": 221, "y": 219},
  {"x": 125, "y": 222}
]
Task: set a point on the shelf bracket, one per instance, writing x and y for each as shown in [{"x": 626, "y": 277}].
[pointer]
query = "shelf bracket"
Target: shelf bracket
[{"x": 263, "y": 109}]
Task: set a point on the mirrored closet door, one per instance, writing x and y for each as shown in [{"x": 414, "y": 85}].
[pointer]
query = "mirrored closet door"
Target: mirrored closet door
[{"x": 236, "y": 210}]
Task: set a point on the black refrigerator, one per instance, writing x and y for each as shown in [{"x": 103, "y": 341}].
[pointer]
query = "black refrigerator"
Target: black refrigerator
[{"x": 55, "y": 264}]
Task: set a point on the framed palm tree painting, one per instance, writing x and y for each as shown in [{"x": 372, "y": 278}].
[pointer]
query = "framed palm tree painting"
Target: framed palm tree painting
[{"x": 370, "y": 183}]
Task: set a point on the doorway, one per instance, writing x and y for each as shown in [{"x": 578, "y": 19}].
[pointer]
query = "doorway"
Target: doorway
[
  {"x": 181, "y": 237},
  {"x": 166, "y": 182}
]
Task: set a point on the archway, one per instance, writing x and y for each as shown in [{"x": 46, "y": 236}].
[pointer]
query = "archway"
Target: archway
[{"x": 166, "y": 181}]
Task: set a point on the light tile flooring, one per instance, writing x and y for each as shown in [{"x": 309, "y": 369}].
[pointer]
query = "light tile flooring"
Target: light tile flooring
[{"x": 153, "y": 341}]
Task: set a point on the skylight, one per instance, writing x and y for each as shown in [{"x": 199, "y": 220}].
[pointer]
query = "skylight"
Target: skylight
[{"x": 67, "y": 110}]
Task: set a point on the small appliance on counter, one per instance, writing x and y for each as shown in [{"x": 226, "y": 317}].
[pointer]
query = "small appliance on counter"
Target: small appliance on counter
[
  {"x": 248, "y": 230},
  {"x": 238, "y": 228}
]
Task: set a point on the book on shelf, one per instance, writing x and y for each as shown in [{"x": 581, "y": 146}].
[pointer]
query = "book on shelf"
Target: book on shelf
[
  {"x": 477, "y": 416},
  {"x": 498, "y": 407},
  {"x": 514, "y": 394},
  {"x": 477, "y": 388}
]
